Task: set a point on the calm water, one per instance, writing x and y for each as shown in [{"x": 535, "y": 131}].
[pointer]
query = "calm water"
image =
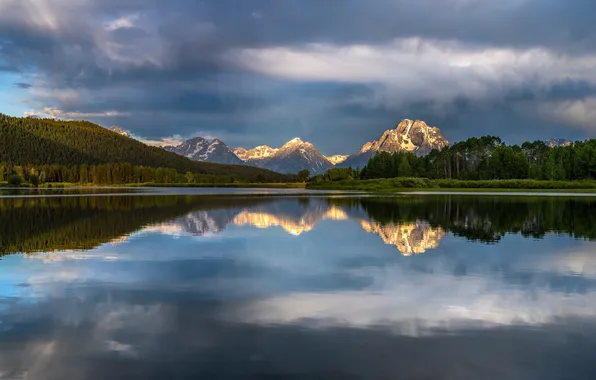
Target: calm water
[{"x": 297, "y": 287}]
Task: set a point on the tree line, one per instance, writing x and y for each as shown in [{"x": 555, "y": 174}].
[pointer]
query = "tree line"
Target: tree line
[
  {"x": 114, "y": 174},
  {"x": 484, "y": 158},
  {"x": 59, "y": 151}
]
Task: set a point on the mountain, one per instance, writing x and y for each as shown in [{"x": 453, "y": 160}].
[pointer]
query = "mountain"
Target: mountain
[
  {"x": 553, "y": 143},
  {"x": 254, "y": 155},
  {"x": 293, "y": 156},
  {"x": 119, "y": 130},
  {"x": 336, "y": 159},
  {"x": 199, "y": 149},
  {"x": 36, "y": 141},
  {"x": 409, "y": 135}
]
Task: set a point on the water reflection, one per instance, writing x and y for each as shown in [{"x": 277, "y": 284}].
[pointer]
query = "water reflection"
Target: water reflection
[
  {"x": 408, "y": 238},
  {"x": 413, "y": 225},
  {"x": 298, "y": 288}
]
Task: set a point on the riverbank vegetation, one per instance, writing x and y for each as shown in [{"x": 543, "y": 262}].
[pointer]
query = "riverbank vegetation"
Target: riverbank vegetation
[
  {"x": 476, "y": 163},
  {"x": 401, "y": 183},
  {"x": 37, "y": 151}
]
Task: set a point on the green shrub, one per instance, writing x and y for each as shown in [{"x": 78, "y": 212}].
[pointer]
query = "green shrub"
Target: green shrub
[
  {"x": 14, "y": 180},
  {"x": 529, "y": 184},
  {"x": 34, "y": 180}
]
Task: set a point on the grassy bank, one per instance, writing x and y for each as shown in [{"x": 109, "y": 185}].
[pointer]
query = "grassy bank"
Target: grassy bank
[
  {"x": 400, "y": 184},
  {"x": 281, "y": 185}
]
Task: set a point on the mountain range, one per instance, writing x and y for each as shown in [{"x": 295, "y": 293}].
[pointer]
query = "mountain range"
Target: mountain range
[
  {"x": 295, "y": 155},
  {"x": 199, "y": 149},
  {"x": 409, "y": 135}
]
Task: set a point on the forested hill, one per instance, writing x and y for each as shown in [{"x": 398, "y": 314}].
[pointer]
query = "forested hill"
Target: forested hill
[{"x": 33, "y": 141}]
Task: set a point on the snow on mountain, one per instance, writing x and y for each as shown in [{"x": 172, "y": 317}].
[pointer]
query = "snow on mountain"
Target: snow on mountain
[
  {"x": 409, "y": 135},
  {"x": 336, "y": 159},
  {"x": 257, "y": 153},
  {"x": 553, "y": 143},
  {"x": 296, "y": 155},
  {"x": 119, "y": 130},
  {"x": 200, "y": 149},
  {"x": 293, "y": 156}
]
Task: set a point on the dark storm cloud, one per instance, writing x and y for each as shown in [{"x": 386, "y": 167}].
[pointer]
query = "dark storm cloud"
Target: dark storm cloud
[
  {"x": 21, "y": 85},
  {"x": 273, "y": 22},
  {"x": 165, "y": 67}
]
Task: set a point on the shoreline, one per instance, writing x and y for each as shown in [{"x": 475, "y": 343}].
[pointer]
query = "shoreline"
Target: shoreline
[{"x": 68, "y": 185}]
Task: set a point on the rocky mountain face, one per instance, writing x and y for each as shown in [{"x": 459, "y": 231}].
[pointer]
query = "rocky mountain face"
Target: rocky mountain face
[
  {"x": 119, "y": 130},
  {"x": 293, "y": 156},
  {"x": 200, "y": 149},
  {"x": 296, "y": 155},
  {"x": 553, "y": 143},
  {"x": 336, "y": 159},
  {"x": 255, "y": 155},
  {"x": 410, "y": 135}
]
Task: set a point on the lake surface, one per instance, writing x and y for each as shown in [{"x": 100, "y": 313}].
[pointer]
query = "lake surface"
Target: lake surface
[{"x": 198, "y": 286}]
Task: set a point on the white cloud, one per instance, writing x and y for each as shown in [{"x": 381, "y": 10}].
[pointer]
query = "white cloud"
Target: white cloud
[
  {"x": 415, "y": 69},
  {"x": 56, "y": 113},
  {"x": 122, "y": 22},
  {"x": 166, "y": 141},
  {"x": 580, "y": 113},
  {"x": 41, "y": 90},
  {"x": 416, "y": 303}
]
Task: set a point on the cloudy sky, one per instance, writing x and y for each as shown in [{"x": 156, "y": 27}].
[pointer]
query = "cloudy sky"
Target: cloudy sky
[{"x": 336, "y": 73}]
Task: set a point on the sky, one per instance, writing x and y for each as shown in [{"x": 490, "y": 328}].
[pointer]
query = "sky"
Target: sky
[{"x": 335, "y": 73}]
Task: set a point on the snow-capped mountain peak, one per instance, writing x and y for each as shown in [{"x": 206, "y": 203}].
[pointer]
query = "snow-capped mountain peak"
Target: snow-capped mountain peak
[
  {"x": 409, "y": 135},
  {"x": 336, "y": 159},
  {"x": 293, "y": 156},
  {"x": 257, "y": 153},
  {"x": 118, "y": 130},
  {"x": 296, "y": 155},
  {"x": 294, "y": 141},
  {"x": 200, "y": 149}
]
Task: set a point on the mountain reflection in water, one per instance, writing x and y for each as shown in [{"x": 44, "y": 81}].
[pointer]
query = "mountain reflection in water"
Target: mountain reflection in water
[
  {"x": 253, "y": 287},
  {"x": 413, "y": 225}
]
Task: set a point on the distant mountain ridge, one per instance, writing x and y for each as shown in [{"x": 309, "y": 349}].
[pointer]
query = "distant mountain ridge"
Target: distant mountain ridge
[
  {"x": 293, "y": 156},
  {"x": 200, "y": 149},
  {"x": 414, "y": 136},
  {"x": 553, "y": 143}
]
